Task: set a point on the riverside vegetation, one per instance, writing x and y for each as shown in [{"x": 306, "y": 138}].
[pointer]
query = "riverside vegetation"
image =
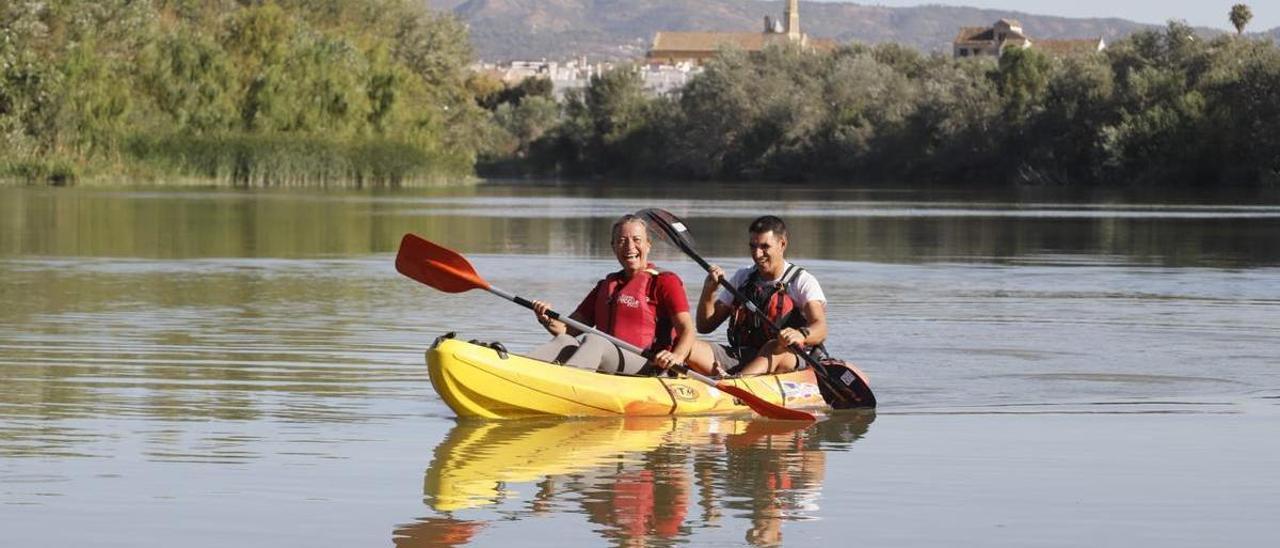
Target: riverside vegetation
[
  {"x": 248, "y": 92},
  {"x": 377, "y": 92}
]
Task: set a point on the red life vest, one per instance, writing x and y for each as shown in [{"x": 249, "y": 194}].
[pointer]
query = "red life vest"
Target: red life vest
[
  {"x": 746, "y": 330},
  {"x": 628, "y": 309}
]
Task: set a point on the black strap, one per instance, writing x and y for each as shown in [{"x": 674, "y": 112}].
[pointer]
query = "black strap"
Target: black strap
[{"x": 790, "y": 274}]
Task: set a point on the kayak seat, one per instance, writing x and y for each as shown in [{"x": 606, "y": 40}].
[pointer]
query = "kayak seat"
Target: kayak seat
[
  {"x": 495, "y": 345},
  {"x": 443, "y": 338}
]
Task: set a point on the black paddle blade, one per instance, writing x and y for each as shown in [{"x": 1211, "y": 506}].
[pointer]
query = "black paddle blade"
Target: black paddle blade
[
  {"x": 845, "y": 386},
  {"x": 669, "y": 227}
]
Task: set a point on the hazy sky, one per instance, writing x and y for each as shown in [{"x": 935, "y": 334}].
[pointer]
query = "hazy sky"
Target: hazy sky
[{"x": 1206, "y": 13}]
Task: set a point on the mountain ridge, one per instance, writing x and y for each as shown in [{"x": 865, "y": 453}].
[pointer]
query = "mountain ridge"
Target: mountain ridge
[{"x": 504, "y": 30}]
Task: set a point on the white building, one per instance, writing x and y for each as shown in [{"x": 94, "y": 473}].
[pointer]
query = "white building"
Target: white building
[{"x": 658, "y": 79}]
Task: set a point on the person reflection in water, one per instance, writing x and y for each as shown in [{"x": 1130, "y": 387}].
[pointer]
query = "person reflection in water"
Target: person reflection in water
[
  {"x": 646, "y": 502},
  {"x": 781, "y": 474}
]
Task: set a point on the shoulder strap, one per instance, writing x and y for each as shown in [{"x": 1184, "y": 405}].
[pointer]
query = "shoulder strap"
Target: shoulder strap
[
  {"x": 792, "y": 273},
  {"x": 652, "y": 290}
]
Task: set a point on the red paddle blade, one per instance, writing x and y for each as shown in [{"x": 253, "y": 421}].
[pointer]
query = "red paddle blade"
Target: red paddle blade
[
  {"x": 764, "y": 407},
  {"x": 758, "y": 431},
  {"x": 437, "y": 266}
]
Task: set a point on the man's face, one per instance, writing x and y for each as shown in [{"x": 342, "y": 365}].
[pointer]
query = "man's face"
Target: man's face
[
  {"x": 631, "y": 246},
  {"x": 767, "y": 250}
]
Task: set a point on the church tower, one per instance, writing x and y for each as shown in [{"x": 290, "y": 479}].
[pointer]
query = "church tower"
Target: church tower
[{"x": 793, "y": 20}]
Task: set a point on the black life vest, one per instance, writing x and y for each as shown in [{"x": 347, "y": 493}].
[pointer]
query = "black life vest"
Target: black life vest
[{"x": 746, "y": 329}]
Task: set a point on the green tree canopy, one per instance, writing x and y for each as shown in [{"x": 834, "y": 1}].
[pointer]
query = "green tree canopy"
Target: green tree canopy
[{"x": 1240, "y": 16}]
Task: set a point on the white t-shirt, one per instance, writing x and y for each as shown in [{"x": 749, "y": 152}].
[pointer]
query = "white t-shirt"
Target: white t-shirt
[{"x": 802, "y": 289}]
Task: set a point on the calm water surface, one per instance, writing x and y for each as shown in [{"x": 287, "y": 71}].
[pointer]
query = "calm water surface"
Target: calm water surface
[{"x": 220, "y": 368}]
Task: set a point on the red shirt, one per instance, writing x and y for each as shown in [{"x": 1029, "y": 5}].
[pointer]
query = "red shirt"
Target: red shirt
[{"x": 670, "y": 295}]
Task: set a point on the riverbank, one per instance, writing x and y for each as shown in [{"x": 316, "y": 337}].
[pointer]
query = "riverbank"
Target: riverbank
[{"x": 298, "y": 94}]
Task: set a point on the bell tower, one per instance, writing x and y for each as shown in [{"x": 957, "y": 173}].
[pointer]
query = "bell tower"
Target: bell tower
[{"x": 793, "y": 20}]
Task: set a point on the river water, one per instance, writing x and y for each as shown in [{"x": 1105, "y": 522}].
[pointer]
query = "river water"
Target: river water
[{"x": 245, "y": 368}]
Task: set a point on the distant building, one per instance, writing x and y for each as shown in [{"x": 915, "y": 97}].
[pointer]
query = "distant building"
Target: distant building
[
  {"x": 576, "y": 74},
  {"x": 1007, "y": 33},
  {"x": 564, "y": 75},
  {"x": 664, "y": 79},
  {"x": 697, "y": 47}
]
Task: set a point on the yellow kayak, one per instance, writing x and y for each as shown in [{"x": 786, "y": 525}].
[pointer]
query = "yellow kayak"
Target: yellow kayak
[{"x": 478, "y": 381}]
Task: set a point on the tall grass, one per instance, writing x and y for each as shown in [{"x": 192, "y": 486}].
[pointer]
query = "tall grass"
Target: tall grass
[
  {"x": 56, "y": 171},
  {"x": 271, "y": 160}
]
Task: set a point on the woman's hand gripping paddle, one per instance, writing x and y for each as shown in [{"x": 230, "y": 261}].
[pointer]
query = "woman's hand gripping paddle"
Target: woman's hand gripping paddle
[
  {"x": 853, "y": 394},
  {"x": 448, "y": 271}
]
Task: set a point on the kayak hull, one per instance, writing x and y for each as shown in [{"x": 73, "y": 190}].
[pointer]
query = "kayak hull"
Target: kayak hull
[{"x": 479, "y": 382}]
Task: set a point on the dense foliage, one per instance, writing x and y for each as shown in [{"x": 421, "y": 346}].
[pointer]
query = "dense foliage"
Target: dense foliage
[
  {"x": 372, "y": 92},
  {"x": 254, "y": 92},
  {"x": 1162, "y": 107}
]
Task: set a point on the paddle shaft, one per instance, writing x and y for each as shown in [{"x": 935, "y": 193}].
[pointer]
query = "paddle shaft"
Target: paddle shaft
[{"x": 584, "y": 328}]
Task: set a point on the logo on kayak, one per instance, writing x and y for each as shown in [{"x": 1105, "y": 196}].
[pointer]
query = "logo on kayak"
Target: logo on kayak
[
  {"x": 630, "y": 301},
  {"x": 682, "y": 392},
  {"x": 792, "y": 390}
]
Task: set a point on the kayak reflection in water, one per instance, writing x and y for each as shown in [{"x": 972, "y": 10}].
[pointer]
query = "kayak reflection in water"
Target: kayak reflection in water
[
  {"x": 637, "y": 478},
  {"x": 638, "y": 304}
]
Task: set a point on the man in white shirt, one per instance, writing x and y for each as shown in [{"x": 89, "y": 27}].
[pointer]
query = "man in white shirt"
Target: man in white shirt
[{"x": 789, "y": 295}]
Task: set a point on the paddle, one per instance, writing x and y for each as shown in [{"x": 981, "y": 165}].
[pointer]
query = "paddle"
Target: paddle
[
  {"x": 448, "y": 271},
  {"x": 852, "y": 393}
]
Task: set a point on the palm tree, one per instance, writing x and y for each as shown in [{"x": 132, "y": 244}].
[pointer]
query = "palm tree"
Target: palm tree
[{"x": 1240, "y": 16}]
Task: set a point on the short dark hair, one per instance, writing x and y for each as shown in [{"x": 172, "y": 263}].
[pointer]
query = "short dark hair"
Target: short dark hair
[{"x": 768, "y": 223}]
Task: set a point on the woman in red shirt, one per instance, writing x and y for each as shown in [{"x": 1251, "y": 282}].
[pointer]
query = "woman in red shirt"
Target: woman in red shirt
[{"x": 638, "y": 304}]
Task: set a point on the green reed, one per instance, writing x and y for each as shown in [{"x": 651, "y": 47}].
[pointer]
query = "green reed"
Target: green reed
[{"x": 260, "y": 160}]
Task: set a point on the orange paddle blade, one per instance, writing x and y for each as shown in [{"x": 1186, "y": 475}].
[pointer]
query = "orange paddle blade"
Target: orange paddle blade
[
  {"x": 437, "y": 266},
  {"x": 763, "y": 407},
  {"x": 763, "y": 430}
]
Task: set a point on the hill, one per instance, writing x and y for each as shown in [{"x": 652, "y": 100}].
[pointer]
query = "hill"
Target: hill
[{"x": 620, "y": 29}]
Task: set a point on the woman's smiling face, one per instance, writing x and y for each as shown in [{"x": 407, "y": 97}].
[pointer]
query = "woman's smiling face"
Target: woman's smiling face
[{"x": 631, "y": 246}]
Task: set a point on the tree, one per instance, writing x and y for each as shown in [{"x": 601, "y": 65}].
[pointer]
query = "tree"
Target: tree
[
  {"x": 527, "y": 121},
  {"x": 1240, "y": 16},
  {"x": 614, "y": 99},
  {"x": 1022, "y": 76},
  {"x": 187, "y": 76},
  {"x": 718, "y": 107}
]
